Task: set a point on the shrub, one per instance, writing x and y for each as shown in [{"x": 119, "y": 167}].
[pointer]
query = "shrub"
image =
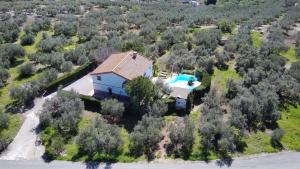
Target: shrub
[
  {"x": 48, "y": 76},
  {"x": 9, "y": 54},
  {"x": 226, "y": 26},
  {"x": 4, "y": 75},
  {"x": 181, "y": 136},
  {"x": 26, "y": 93},
  {"x": 62, "y": 113},
  {"x": 139, "y": 47},
  {"x": 82, "y": 60},
  {"x": 3, "y": 121},
  {"x": 26, "y": 70},
  {"x": 100, "y": 137},
  {"x": 277, "y": 136},
  {"x": 91, "y": 103},
  {"x": 112, "y": 107},
  {"x": 66, "y": 66},
  {"x": 146, "y": 135},
  {"x": 205, "y": 79}
]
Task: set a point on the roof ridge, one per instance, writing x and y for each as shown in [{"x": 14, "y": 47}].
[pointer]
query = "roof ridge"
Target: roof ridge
[{"x": 120, "y": 62}]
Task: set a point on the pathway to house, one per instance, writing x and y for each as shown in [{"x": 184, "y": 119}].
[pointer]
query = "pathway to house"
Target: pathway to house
[{"x": 25, "y": 145}]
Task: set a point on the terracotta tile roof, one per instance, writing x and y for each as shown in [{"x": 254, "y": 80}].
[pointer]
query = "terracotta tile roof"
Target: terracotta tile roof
[
  {"x": 180, "y": 92},
  {"x": 125, "y": 65}
]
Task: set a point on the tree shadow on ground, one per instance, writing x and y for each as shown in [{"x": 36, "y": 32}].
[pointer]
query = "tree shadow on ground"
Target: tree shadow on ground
[
  {"x": 17, "y": 63},
  {"x": 276, "y": 144},
  {"x": 92, "y": 165},
  {"x": 18, "y": 107},
  {"x": 226, "y": 161},
  {"x": 95, "y": 165},
  {"x": 130, "y": 119}
]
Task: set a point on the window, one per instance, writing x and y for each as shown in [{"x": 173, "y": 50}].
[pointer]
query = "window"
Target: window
[
  {"x": 98, "y": 77},
  {"x": 124, "y": 83}
]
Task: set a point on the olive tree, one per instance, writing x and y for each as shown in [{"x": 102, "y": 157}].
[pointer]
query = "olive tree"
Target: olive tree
[
  {"x": 62, "y": 112},
  {"x": 26, "y": 70},
  {"x": 4, "y": 75},
  {"x": 100, "y": 137},
  {"x": 142, "y": 92},
  {"x": 146, "y": 135},
  {"x": 112, "y": 107},
  {"x": 182, "y": 136},
  {"x": 4, "y": 120}
]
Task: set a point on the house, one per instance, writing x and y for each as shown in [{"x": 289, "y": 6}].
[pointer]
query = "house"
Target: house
[
  {"x": 180, "y": 95},
  {"x": 111, "y": 76}
]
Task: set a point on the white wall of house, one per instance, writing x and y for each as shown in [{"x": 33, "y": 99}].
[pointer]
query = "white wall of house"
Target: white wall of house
[
  {"x": 109, "y": 80},
  {"x": 149, "y": 72},
  {"x": 114, "y": 82},
  {"x": 180, "y": 103}
]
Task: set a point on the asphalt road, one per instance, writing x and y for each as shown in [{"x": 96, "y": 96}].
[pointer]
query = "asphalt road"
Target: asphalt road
[{"x": 285, "y": 160}]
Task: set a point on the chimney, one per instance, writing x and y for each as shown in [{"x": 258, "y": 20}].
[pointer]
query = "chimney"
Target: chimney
[{"x": 134, "y": 54}]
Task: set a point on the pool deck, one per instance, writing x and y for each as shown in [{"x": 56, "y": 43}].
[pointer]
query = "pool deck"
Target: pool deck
[{"x": 178, "y": 84}]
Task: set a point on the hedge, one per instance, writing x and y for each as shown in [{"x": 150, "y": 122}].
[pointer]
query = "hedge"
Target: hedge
[
  {"x": 69, "y": 78},
  {"x": 205, "y": 83},
  {"x": 187, "y": 71},
  {"x": 91, "y": 103},
  {"x": 171, "y": 102}
]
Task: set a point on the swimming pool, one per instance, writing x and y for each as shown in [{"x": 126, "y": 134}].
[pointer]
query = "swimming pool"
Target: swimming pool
[{"x": 181, "y": 80}]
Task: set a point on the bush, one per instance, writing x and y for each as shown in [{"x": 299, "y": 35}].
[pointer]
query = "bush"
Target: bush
[
  {"x": 69, "y": 77},
  {"x": 181, "y": 136},
  {"x": 26, "y": 70},
  {"x": 26, "y": 93},
  {"x": 82, "y": 60},
  {"x": 139, "y": 47},
  {"x": 276, "y": 137},
  {"x": 48, "y": 76},
  {"x": 91, "y": 103},
  {"x": 100, "y": 137},
  {"x": 205, "y": 79},
  {"x": 9, "y": 54},
  {"x": 65, "y": 28},
  {"x": 146, "y": 135},
  {"x": 3, "y": 121},
  {"x": 62, "y": 113},
  {"x": 226, "y": 26},
  {"x": 66, "y": 66},
  {"x": 27, "y": 39},
  {"x": 113, "y": 108},
  {"x": 4, "y": 75}
]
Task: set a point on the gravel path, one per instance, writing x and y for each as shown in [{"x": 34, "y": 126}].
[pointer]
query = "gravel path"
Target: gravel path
[{"x": 25, "y": 145}]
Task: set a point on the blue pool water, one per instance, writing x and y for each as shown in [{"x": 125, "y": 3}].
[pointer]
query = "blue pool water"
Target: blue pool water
[{"x": 182, "y": 80}]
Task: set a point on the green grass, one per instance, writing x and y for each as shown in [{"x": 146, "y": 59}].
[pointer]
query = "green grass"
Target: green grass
[
  {"x": 195, "y": 116},
  {"x": 290, "y": 122},
  {"x": 169, "y": 119},
  {"x": 290, "y": 55},
  {"x": 197, "y": 152},
  {"x": 13, "y": 81},
  {"x": 13, "y": 71},
  {"x": 220, "y": 77},
  {"x": 15, "y": 122},
  {"x": 34, "y": 47},
  {"x": 256, "y": 39},
  {"x": 72, "y": 148},
  {"x": 73, "y": 43},
  {"x": 258, "y": 142},
  {"x": 84, "y": 122}
]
